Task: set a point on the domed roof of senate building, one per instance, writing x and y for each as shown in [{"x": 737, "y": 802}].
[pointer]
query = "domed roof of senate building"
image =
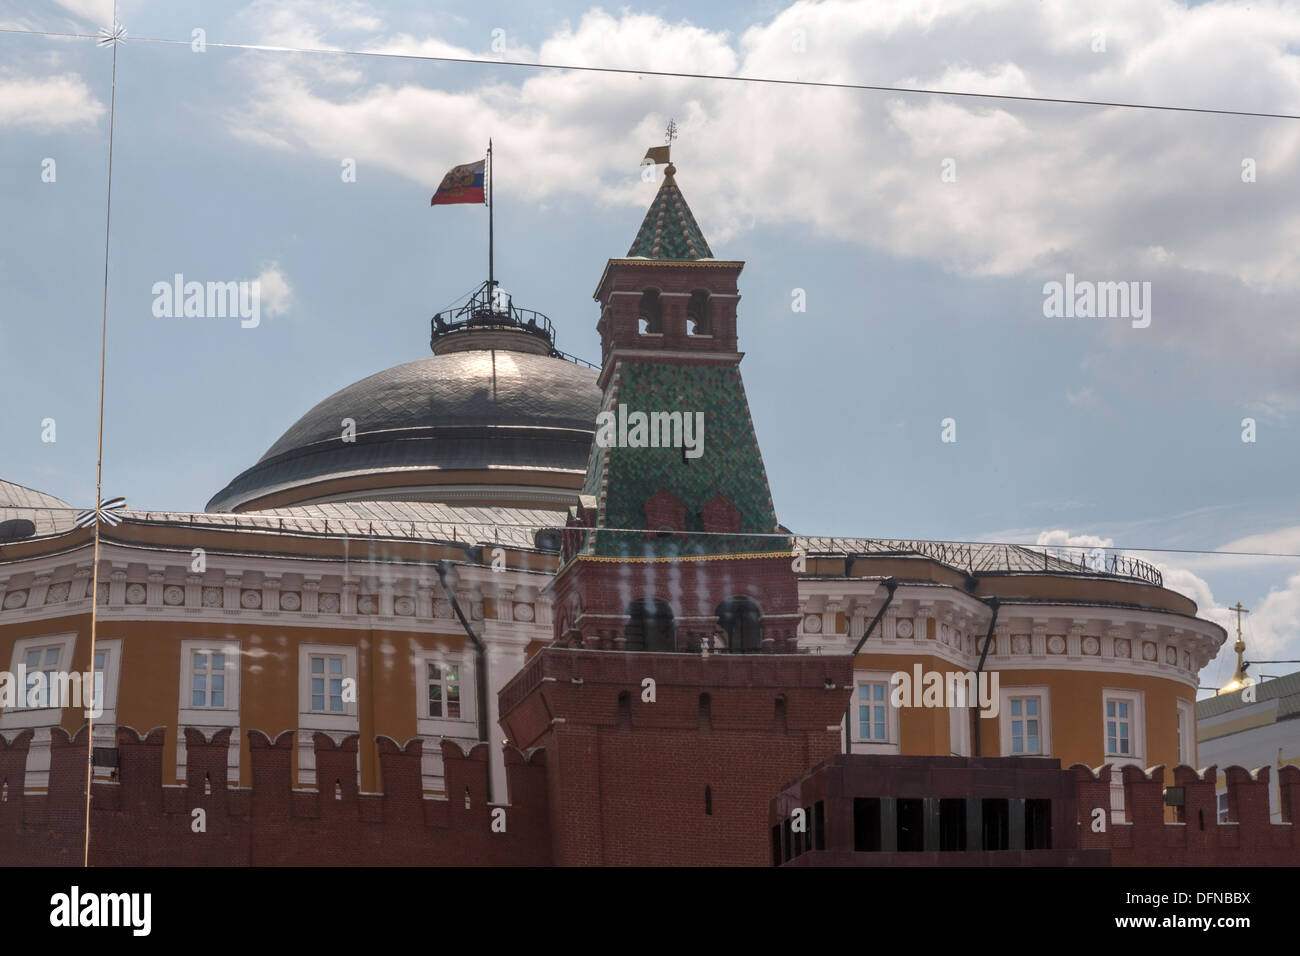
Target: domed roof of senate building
[{"x": 418, "y": 426}]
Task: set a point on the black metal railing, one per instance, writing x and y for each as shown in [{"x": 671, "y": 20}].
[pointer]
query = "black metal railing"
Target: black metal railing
[
  {"x": 995, "y": 558},
  {"x": 488, "y": 307}
]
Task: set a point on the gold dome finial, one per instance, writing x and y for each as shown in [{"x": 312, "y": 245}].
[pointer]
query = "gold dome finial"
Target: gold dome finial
[{"x": 1239, "y": 678}]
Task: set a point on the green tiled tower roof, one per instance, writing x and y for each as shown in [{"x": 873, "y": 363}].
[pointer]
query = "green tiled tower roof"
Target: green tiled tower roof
[
  {"x": 622, "y": 479},
  {"x": 669, "y": 231}
]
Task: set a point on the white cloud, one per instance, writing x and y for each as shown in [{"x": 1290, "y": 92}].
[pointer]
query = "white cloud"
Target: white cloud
[
  {"x": 1041, "y": 189},
  {"x": 276, "y": 291},
  {"x": 99, "y": 12},
  {"x": 1060, "y": 538},
  {"x": 306, "y": 24},
  {"x": 47, "y": 102},
  {"x": 1274, "y": 629},
  {"x": 1085, "y": 397}
]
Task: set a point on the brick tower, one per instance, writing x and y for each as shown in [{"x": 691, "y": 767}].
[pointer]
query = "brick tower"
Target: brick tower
[{"x": 672, "y": 703}]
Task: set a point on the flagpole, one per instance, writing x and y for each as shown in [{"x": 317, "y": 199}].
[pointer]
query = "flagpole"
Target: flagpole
[{"x": 491, "y": 207}]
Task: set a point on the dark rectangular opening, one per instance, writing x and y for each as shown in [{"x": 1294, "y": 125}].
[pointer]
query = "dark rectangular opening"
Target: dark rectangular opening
[
  {"x": 1038, "y": 824},
  {"x": 911, "y": 826},
  {"x": 776, "y": 846},
  {"x": 952, "y": 825},
  {"x": 997, "y": 824},
  {"x": 866, "y": 824},
  {"x": 819, "y": 825},
  {"x": 786, "y": 839}
]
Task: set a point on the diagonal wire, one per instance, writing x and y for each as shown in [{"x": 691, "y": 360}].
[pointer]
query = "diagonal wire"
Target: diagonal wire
[{"x": 627, "y": 71}]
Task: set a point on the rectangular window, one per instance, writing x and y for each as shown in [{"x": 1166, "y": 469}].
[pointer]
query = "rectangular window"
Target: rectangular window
[
  {"x": 872, "y": 722},
  {"x": 996, "y": 824},
  {"x": 1118, "y": 728},
  {"x": 1038, "y": 824},
  {"x": 952, "y": 824},
  {"x": 1025, "y": 714},
  {"x": 1223, "y": 808},
  {"x": 40, "y": 661},
  {"x": 327, "y": 683},
  {"x": 866, "y": 824},
  {"x": 1186, "y": 732},
  {"x": 444, "y": 690},
  {"x": 97, "y": 693},
  {"x": 909, "y": 825},
  {"x": 208, "y": 680}
]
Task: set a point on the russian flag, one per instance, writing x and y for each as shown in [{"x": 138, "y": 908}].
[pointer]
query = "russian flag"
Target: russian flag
[{"x": 462, "y": 184}]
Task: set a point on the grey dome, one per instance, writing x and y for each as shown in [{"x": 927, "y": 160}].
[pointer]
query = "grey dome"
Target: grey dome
[{"x": 486, "y": 409}]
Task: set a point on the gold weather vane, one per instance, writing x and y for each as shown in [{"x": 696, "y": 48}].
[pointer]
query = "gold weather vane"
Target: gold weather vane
[{"x": 658, "y": 155}]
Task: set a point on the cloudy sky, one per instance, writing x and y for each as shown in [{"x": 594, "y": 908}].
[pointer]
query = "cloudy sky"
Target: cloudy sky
[{"x": 921, "y": 229}]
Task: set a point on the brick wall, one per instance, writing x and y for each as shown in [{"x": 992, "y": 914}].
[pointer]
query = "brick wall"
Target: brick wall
[
  {"x": 1198, "y": 839},
  {"x": 138, "y": 821},
  {"x": 629, "y": 776}
]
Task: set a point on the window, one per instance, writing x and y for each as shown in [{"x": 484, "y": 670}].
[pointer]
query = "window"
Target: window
[
  {"x": 866, "y": 825},
  {"x": 327, "y": 683},
  {"x": 42, "y": 665},
  {"x": 1119, "y": 740},
  {"x": 650, "y": 627},
  {"x": 873, "y": 699},
  {"x": 1122, "y": 726},
  {"x": 1223, "y": 808},
  {"x": 650, "y": 314},
  {"x": 952, "y": 824},
  {"x": 697, "y": 314},
  {"x": 443, "y": 678},
  {"x": 873, "y": 719},
  {"x": 208, "y": 680},
  {"x": 1025, "y": 725},
  {"x": 741, "y": 620},
  {"x": 1025, "y": 721},
  {"x": 209, "y": 698},
  {"x": 327, "y": 701},
  {"x": 444, "y": 690},
  {"x": 1186, "y": 732},
  {"x": 1038, "y": 824}
]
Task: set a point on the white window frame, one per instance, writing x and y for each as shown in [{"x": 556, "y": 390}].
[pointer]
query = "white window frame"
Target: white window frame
[
  {"x": 1186, "y": 732},
  {"x": 463, "y": 729},
  {"x": 208, "y": 720},
  {"x": 466, "y": 725},
  {"x": 1137, "y": 727},
  {"x": 446, "y": 678},
  {"x": 959, "y": 742},
  {"x": 1044, "y": 695},
  {"x": 326, "y": 675},
  {"x": 1137, "y": 744},
  {"x": 337, "y": 725},
  {"x": 1028, "y": 703},
  {"x": 105, "y": 732},
  {"x": 890, "y": 745},
  {"x": 22, "y": 717},
  {"x": 38, "y": 719}
]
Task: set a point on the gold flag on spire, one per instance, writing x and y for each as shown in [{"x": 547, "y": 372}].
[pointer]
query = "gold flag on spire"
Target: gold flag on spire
[{"x": 655, "y": 156}]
